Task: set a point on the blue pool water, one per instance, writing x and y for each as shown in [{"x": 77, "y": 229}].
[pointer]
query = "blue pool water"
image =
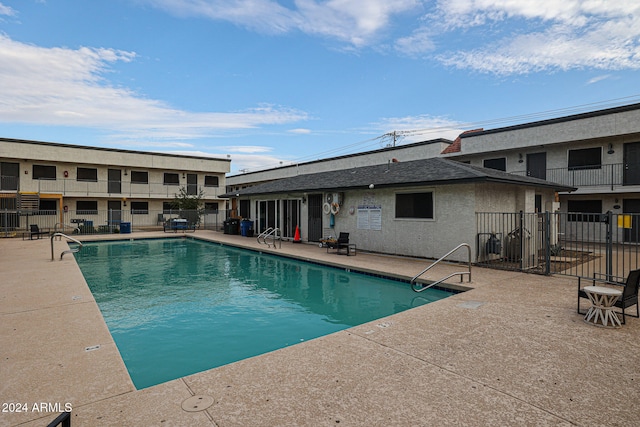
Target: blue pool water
[{"x": 180, "y": 306}]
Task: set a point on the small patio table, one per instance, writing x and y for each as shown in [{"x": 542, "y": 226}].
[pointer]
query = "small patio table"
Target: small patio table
[{"x": 601, "y": 312}]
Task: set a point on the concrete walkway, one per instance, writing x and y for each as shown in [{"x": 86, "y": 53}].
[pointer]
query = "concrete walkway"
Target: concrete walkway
[{"x": 510, "y": 352}]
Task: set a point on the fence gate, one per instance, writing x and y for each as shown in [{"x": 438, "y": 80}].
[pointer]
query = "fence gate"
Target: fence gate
[{"x": 575, "y": 244}]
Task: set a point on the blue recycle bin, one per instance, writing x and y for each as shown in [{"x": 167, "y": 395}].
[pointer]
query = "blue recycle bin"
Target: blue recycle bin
[
  {"x": 125, "y": 228},
  {"x": 246, "y": 228}
]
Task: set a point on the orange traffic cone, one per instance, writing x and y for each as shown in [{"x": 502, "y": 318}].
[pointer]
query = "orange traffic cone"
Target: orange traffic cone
[{"x": 296, "y": 237}]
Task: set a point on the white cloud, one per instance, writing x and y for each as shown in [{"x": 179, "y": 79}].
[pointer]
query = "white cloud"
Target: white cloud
[
  {"x": 300, "y": 131},
  {"x": 420, "y": 42},
  {"x": 504, "y": 36},
  {"x": 251, "y": 149},
  {"x": 356, "y": 22},
  {"x": 569, "y": 34},
  {"x": 6, "y": 10},
  {"x": 599, "y": 79},
  {"x": 65, "y": 87}
]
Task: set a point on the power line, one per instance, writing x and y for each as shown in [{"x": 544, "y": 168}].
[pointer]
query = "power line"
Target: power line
[{"x": 399, "y": 135}]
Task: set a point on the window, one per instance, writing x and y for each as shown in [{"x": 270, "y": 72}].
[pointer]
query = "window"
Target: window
[
  {"x": 48, "y": 206},
  {"x": 211, "y": 207},
  {"x": 171, "y": 179},
  {"x": 139, "y": 208},
  {"x": 210, "y": 181},
  {"x": 87, "y": 207},
  {"x": 139, "y": 177},
  {"x": 43, "y": 172},
  {"x": 497, "y": 164},
  {"x": 244, "y": 208},
  {"x": 87, "y": 174},
  {"x": 414, "y": 205},
  {"x": 166, "y": 207},
  {"x": 586, "y": 158},
  {"x": 584, "y": 210}
]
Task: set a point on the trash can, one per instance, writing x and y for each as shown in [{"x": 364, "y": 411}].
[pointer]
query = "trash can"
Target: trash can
[
  {"x": 246, "y": 228},
  {"x": 234, "y": 224},
  {"x": 125, "y": 228}
]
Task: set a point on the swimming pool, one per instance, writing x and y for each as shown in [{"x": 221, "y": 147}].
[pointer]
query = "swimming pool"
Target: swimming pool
[{"x": 180, "y": 306}]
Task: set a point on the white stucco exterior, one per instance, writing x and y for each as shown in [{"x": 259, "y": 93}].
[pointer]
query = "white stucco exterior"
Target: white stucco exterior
[{"x": 454, "y": 222}]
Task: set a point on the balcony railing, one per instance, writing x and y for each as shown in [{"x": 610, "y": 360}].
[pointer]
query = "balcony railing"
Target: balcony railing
[
  {"x": 602, "y": 176},
  {"x": 74, "y": 188}
]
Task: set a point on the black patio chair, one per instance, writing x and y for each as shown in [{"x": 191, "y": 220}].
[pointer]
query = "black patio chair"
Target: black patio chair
[
  {"x": 36, "y": 231},
  {"x": 343, "y": 239},
  {"x": 629, "y": 296},
  {"x": 342, "y": 244}
]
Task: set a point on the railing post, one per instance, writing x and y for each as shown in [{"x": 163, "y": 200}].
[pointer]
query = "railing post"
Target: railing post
[
  {"x": 609, "y": 245},
  {"x": 521, "y": 229},
  {"x": 547, "y": 238}
]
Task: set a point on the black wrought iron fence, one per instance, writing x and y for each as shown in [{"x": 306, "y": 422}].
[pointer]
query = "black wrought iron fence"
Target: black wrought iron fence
[{"x": 575, "y": 244}]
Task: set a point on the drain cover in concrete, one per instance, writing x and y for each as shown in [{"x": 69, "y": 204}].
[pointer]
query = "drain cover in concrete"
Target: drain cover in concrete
[
  {"x": 197, "y": 403},
  {"x": 471, "y": 304}
]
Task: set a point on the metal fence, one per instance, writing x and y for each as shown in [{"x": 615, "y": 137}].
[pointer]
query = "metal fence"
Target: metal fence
[
  {"x": 575, "y": 244},
  {"x": 15, "y": 223}
]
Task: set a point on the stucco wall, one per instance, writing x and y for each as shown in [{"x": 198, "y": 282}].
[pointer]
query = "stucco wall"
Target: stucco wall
[
  {"x": 49, "y": 152},
  {"x": 402, "y": 153},
  {"x": 69, "y": 185},
  {"x": 610, "y": 125},
  {"x": 454, "y": 222}
]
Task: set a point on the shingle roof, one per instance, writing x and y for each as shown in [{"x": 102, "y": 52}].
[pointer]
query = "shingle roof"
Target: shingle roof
[{"x": 434, "y": 171}]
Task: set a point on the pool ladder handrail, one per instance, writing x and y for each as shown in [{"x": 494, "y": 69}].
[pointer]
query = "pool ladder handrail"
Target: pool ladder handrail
[
  {"x": 272, "y": 232},
  {"x": 421, "y": 287},
  {"x": 68, "y": 251}
]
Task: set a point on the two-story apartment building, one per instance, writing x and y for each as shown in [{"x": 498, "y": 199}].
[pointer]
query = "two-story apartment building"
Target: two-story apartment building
[
  {"x": 71, "y": 184},
  {"x": 596, "y": 152}
]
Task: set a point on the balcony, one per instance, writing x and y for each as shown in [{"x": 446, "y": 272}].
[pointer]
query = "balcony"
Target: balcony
[
  {"x": 74, "y": 188},
  {"x": 609, "y": 177}
]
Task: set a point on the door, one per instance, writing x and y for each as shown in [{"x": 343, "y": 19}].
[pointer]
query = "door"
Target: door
[
  {"x": 290, "y": 217},
  {"x": 537, "y": 165},
  {"x": 115, "y": 212},
  {"x": 267, "y": 215},
  {"x": 631, "y": 163},
  {"x": 9, "y": 176},
  {"x": 315, "y": 217},
  {"x": 192, "y": 184},
  {"x": 632, "y": 206},
  {"x": 114, "y": 184}
]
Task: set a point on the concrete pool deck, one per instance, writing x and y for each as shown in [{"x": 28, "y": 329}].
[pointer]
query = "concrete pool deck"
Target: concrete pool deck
[{"x": 511, "y": 351}]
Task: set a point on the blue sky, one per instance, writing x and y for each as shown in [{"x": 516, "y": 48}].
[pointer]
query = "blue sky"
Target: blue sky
[{"x": 273, "y": 82}]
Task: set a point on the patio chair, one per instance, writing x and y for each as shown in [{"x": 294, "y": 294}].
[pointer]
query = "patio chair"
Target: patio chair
[
  {"x": 36, "y": 231},
  {"x": 343, "y": 246},
  {"x": 343, "y": 238},
  {"x": 629, "y": 296}
]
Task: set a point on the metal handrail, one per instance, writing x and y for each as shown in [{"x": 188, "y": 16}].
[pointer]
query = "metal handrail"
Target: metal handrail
[
  {"x": 263, "y": 235},
  {"x": 422, "y": 287},
  {"x": 273, "y": 233},
  {"x": 64, "y": 419},
  {"x": 69, "y": 251}
]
